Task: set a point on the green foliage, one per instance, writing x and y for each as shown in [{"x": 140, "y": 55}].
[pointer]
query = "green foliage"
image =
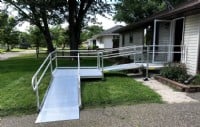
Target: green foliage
[
  {"x": 196, "y": 80},
  {"x": 35, "y": 37},
  {"x": 8, "y": 35},
  {"x": 24, "y": 39},
  {"x": 90, "y": 31},
  {"x": 131, "y": 11},
  {"x": 77, "y": 12},
  {"x": 175, "y": 71},
  {"x": 60, "y": 36},
  {"x": 40, "y": 13}
]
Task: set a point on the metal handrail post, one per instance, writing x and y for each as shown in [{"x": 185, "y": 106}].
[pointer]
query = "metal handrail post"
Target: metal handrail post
[
  {"x": 98, "y": 60},
  {"x": 38, "y": 99},
  {"x": 78, "y": 63},
  {"x": 147, "y": 65},
  {"x": 102, "y": 64},
  {"x": 56, "y": 59},
  {"x": 142, "y": 54},
  {"x": 51, "y": 66},
  {"x": 102, "y": 61}
]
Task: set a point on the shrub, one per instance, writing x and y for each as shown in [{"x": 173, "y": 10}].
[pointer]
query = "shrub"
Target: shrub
[
  {"x": 175, "y": 71},
  {"x": 196, "y": 80}
]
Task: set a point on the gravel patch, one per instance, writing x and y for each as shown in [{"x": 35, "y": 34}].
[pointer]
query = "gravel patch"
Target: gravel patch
[
  {"x": 168, "y": 94},
  {"x": 144, "y": 115},
  {"x": 195, "y": 96}
]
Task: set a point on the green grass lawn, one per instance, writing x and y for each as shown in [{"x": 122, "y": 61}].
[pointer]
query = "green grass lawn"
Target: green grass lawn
[
  {"x": 116, "y": 89},
  {"x": 17, "y": 96},
  {"x": 2, "y": 50}
]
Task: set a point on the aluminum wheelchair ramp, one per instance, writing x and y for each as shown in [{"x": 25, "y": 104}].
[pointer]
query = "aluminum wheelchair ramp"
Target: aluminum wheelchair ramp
[
  {"x": 61, "y": 102},
  {"x": 62, "y": 98},
  {"x": 121, "y": 67}
]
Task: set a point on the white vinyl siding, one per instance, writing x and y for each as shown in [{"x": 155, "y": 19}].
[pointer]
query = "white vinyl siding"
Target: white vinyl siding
[
  {"x": 138, "y": 37},
  {"x": 105, "y": 41},
  {"x": 191, "y": 40},
  {"x": 108, "y": 41},
  {"x": 99, "y": 43}
]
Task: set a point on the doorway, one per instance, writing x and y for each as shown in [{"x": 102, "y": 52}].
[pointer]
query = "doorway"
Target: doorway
[
  {"x": 115, "y": 42},
  {"x": 178, "y": 32}
]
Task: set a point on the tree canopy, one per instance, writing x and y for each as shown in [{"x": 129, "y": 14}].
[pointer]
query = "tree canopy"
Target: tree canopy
[
  {"x": 8, "y": 35},
  {"x": 131, "y": 11},
  {"x": 76, "y": 12},
  {"x": 90, "y": 31},
  {"x": 40, "y": 13}
]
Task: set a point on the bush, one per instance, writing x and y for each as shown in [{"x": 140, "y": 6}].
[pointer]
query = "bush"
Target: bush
[
  {"x": 175, "y": 71},
  {"x": 95, "y": 47},
  {"x": 196, "y": 80}
]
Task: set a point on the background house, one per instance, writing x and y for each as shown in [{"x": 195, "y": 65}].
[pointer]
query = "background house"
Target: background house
[
  {"x": 180, "y": 26},
  {"x": 106, "y": 39}
]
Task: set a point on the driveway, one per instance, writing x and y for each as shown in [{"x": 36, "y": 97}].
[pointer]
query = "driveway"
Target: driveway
[{"x": 143, "y": 115}]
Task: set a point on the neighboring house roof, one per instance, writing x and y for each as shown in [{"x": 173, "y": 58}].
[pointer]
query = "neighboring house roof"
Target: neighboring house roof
[
  {"x": 110, "y": 31},
  {"x": 185, "y": 9}
]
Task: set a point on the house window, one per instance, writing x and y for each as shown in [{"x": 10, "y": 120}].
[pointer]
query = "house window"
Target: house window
[{"x": 131, "y": 37}]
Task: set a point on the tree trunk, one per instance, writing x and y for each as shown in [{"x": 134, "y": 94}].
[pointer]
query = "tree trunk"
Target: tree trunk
[
  {"x": 46, "y": 31},
  {"x": 76, "y": 15},
  {"x": 72, "y": 27},
  {"x": 8, "y": 48},
  {"x": 63, "y": 47},
  {"x": 48, "y": 40},
  {"x": 43, "y": 28}
]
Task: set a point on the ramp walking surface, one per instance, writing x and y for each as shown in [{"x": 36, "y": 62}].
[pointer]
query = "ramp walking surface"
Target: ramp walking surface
[
  {"x": 62, "y": 99},
  {"x": 61, "y": 102}
]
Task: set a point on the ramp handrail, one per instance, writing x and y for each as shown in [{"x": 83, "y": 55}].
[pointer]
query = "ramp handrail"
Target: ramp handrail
[
  {"x": 149, "y": 50},
  {"x": 48, "y": 64},
  {"x": 36, "y": 80}
]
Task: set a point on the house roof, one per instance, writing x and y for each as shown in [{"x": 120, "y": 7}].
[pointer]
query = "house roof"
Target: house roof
[
  {"x": 184, "y": 9},
  {"x": 110, "y": 31}
]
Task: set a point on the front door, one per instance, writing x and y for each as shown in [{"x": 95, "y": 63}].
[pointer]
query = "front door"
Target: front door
[{"x": 115, "y": 42}]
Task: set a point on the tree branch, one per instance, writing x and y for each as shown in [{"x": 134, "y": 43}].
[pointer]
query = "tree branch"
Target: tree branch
[{"x": 27, "y": 16}]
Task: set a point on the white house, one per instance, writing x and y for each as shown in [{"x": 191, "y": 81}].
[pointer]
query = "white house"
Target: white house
[
  {"x": 179, "y": 26},
  {"x": 105, "y": 40}
]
